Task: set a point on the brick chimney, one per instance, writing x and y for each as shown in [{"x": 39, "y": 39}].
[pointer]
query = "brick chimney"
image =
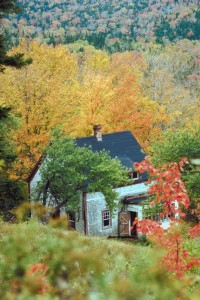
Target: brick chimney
[{"x": 97, "y": 132}]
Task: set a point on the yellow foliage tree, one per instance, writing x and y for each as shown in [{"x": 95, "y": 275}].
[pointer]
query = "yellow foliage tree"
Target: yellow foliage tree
[
  {"x": 36, "y": 94},
  {"x": 77, "y": 90}
]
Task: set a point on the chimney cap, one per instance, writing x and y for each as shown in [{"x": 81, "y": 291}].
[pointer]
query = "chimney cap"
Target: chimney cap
[{"x": 97, "y": 127}]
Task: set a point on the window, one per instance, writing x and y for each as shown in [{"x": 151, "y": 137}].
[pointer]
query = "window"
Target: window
[
  {"x": 134, "y": 175},
  {"x": 106, "y": 219}
]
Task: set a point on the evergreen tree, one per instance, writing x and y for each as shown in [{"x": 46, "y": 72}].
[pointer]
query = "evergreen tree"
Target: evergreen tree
[
  {"x": 6, "y": 7},
  {"x": 12, "y": 191}
]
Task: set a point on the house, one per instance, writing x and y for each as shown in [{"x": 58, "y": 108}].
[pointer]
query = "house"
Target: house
[{"x": 93, "y": 217}]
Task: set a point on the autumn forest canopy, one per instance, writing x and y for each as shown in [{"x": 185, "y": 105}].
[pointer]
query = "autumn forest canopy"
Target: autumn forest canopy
[{"x": 78, "y": 86}]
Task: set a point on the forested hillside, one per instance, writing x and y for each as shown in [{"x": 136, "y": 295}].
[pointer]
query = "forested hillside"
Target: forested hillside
[{"x": 112, "y": 24}]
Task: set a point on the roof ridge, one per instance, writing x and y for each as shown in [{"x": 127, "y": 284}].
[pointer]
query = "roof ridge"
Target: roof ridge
[{"x": 103, "y": 134}]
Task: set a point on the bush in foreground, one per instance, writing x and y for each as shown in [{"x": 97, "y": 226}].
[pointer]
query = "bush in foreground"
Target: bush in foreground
[{"x": 42, "y": 262}]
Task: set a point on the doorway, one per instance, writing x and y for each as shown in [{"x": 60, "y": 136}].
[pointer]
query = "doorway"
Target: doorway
[{"x": 133, "y": 216}]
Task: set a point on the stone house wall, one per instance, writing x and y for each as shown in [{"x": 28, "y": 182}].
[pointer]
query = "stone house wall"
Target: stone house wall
[{"x": 96, "y": 204}]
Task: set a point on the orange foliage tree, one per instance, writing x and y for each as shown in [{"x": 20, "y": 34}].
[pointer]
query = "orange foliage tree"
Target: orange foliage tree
[{"x": 108, "y": 91}]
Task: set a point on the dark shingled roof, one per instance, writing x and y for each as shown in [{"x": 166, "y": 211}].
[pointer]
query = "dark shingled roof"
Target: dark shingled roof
[{"x": 122, "y": 145}]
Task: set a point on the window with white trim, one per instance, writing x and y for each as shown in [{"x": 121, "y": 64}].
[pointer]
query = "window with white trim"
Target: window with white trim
[{"x": 106, "y": 219}]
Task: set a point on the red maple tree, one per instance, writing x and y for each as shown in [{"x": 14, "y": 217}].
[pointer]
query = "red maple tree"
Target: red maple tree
[{"x": 167, "y": 188}]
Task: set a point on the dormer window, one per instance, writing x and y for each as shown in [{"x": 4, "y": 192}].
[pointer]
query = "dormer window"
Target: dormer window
[{"x": 134, "y": 175}]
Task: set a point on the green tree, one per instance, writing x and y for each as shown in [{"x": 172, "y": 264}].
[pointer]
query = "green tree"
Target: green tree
[
  {"x": 184, "y": 142},
  {"x": 12, "y": 191},
  {"x": 8, "y": 7},
  {"x": 68, "y": 170}
]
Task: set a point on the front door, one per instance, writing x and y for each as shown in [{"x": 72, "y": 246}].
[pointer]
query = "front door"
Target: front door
[{"x": 124, "y": 223}]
